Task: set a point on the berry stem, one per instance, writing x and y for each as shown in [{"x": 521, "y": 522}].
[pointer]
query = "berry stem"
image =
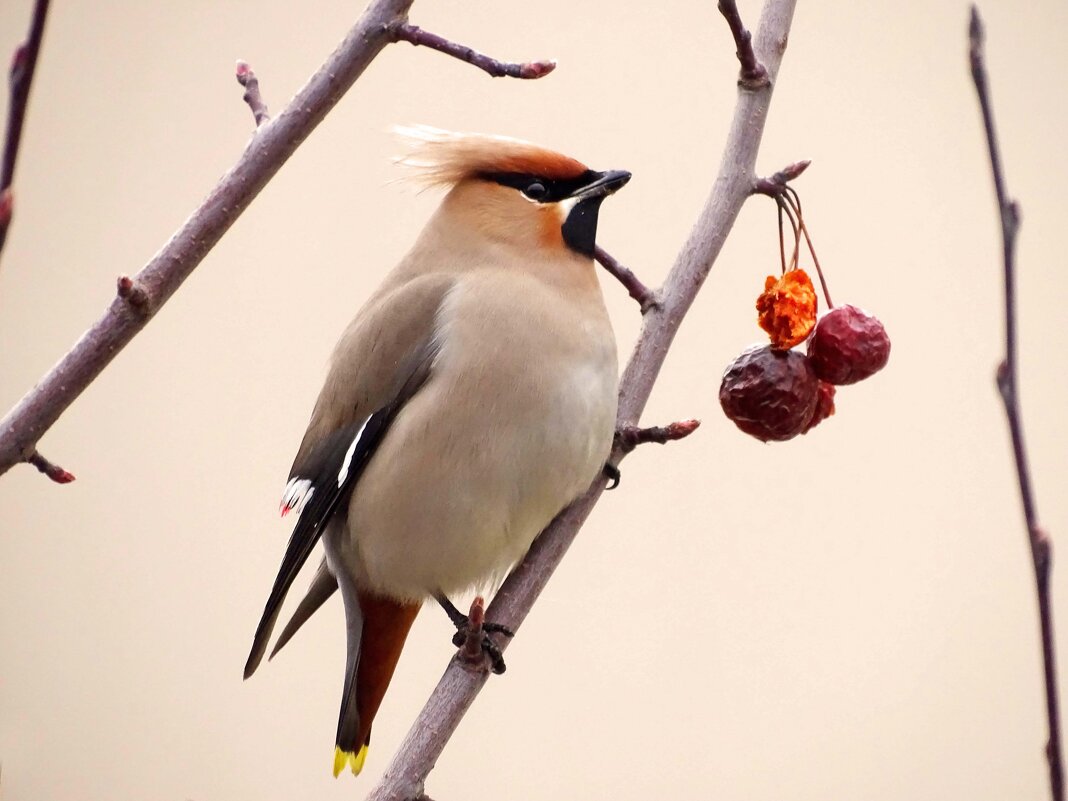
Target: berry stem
[
  {"x": 792, "y": 199},
  {"x": 816, "y": 261},
  {"x": 795, "y": 256},
  {"x": 782, "y": 240}
]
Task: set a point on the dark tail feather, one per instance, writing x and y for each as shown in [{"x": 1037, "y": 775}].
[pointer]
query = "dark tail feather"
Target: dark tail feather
[
  {"x": 259, "y": 642},
  {"x": 322, "y": 586},
  {"x": 374, "y": 646}
]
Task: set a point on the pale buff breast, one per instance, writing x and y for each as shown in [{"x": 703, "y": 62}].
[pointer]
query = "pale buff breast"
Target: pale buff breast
[{"x": 439, "y": 509}]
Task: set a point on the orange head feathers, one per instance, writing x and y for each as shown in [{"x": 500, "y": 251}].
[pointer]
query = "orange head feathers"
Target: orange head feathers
[
  {"x": 514, "y": 190},
  {"x": 446, "y": 158}
]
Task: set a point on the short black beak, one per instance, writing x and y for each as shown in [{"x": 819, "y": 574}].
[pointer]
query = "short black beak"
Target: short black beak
[{"x": 605, "y": 184}]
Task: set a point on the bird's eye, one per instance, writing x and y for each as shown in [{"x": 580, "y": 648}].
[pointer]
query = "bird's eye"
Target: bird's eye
[{"x": 535, "y": 190}]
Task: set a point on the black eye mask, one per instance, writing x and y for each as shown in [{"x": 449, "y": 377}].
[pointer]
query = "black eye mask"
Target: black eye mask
[{"x": 552, "y": 190}]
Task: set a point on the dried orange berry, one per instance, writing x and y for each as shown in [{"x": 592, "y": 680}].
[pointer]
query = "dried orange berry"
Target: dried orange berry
[{"x": 786, "y": 309}]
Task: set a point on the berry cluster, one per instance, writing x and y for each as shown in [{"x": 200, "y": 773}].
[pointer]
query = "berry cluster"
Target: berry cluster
[{"x": 773, "y": 392}]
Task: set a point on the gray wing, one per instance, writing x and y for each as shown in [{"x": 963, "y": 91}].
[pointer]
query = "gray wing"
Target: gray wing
[{"x": 329, "y": 475}]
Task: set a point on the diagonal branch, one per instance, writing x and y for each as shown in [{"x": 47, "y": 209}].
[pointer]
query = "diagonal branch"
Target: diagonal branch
[
  {"x": 456, "y": 691},
  {"x": 161, "y": 277},
  {"x": 645, "y": 297},
  {"x": 23, "y": 64},
  {"x": 1007, "y": 376},
  {"x": 141, "y": 296},
  {"x": 413, "y": 34}
]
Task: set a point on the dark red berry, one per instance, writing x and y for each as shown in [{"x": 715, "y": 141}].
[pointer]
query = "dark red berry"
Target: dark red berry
[
  {"x": 769, "y": 394},
  {"x": 824, "y": 406},
  {"x": 848, "y": 345}
]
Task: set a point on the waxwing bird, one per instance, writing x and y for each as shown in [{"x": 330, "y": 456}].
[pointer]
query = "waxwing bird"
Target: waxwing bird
[{"x": 469, "y": 401}]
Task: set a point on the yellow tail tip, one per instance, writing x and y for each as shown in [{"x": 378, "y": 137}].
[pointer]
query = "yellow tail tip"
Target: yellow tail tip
[{"x": 354, "y": 761}]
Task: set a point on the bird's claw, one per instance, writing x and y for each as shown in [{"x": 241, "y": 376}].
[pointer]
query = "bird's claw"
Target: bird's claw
[
  {"x": 613, "y": 474},
  {"x": 496, "y": 658},
  {"x": 489, "y": 647}
]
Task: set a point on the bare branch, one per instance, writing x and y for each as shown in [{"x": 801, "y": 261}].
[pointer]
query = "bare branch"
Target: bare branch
[
  {"x": 23, "y": 65},
  {"x": 405, "y": 777},
  {"x": 53, "y": 471},
  {"x": 753, "y": 74},
  {"x": 1007, "y": 374},
  {"x": 635, "y": 288},
  {"x": 39, "y": 409},
  {"x": 413, "y": 34},
  {"x": 247, "y": 78},
  {"x": 383, "y": 22}
]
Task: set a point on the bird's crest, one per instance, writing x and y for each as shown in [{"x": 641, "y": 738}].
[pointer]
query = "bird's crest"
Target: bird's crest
[{"x": 446, "y": 158}]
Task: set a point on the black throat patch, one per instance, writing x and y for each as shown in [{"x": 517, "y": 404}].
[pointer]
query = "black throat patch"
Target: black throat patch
[{"x": 580, "y": 227}]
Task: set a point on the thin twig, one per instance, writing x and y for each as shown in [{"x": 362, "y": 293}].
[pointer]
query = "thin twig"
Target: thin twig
[
  {"x": 753, "y": 75},
  {"x": 1007, "y": 374},
  {"x": 635, "y": 288},
  {"x": 23, "y": 65},
  {"x": 405, "y": 777},
  {"x": 775, "y": 184},
  {"x": 630, "y": 437},
  {"x": 53, "y": 471},
  {"x": 247, "y": 78},
  {"x": 413, "y": 34},
  {"x": 39, "y": 409}
]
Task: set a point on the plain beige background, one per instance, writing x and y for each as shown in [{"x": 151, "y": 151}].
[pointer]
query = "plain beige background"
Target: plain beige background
[{"x": 848, "y": 615}]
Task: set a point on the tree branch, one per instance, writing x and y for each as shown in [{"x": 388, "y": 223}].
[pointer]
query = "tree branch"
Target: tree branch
[
  {"x": 753, "y": 74},
  {"x": 141, "y": 296},
  {"x": 635, "y": 288},
  {"x": 456, "y": 691},
  {"x": 413, "y": 34},
  {"x": 247, "y": 78},
  {"x": 23, "y": 64},
  {"x": 1007, "y": 380},
  {"x": 24, "y": 425}
]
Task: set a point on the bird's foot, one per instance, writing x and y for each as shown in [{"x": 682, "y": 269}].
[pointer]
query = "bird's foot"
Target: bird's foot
[
  {"x": 489, "y": 647},
  {"x": 465, "y": 628}
]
